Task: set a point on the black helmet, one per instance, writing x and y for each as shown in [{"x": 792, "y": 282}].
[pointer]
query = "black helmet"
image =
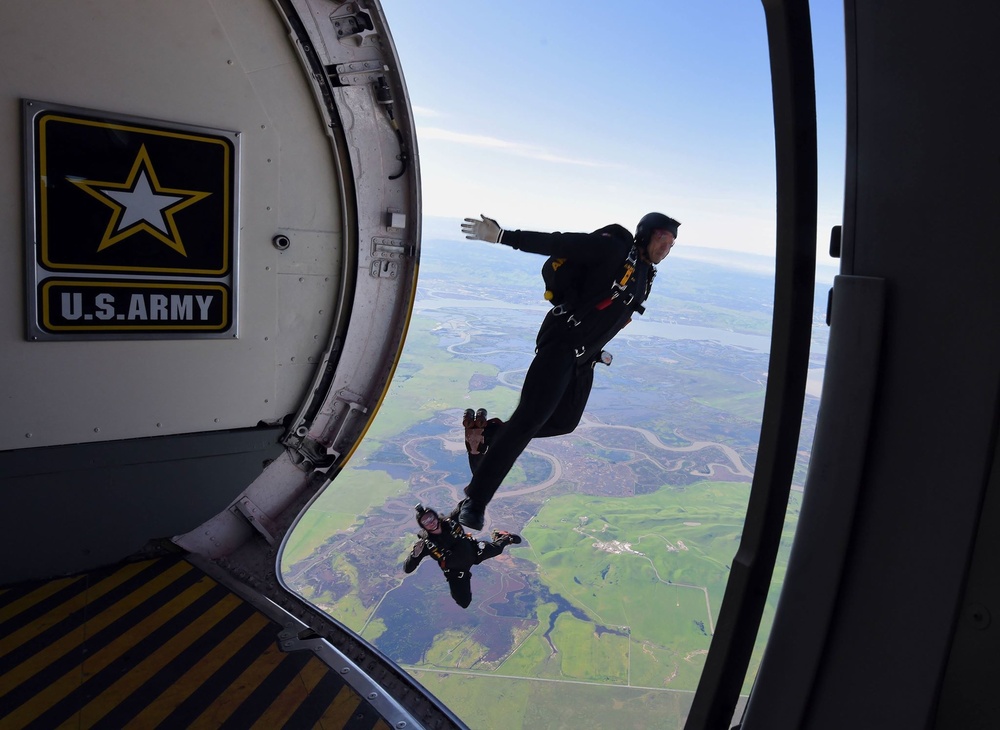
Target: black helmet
[
  {"x": 654, "y": 222},
  {"x": 421, "y": 511}
]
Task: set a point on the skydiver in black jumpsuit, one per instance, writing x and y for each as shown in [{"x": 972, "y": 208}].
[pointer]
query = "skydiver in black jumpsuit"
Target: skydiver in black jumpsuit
[
  {"x": 559, "y": 379},
  {"x": 455, "y": 551}
]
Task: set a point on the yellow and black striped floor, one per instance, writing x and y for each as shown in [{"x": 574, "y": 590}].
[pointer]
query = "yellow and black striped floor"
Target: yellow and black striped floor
[{"x": 158, "y": 644}]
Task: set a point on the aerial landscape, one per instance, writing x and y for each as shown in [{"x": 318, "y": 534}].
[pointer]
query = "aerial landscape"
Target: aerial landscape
[{"x": 629, "y": 523}]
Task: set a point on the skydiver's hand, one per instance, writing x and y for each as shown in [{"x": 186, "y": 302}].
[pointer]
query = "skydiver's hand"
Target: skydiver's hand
[
  {"x": 414, "y": 558},
  {"x": 485, "y": 230}
]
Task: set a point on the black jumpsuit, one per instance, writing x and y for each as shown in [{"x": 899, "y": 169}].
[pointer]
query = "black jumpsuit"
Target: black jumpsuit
[
  {"x": 558, "y": 382},
  {"x": 458, "y": 553}
]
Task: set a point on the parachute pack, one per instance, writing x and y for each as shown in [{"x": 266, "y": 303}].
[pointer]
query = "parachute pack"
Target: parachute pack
[{"x": 564, "y": 281}]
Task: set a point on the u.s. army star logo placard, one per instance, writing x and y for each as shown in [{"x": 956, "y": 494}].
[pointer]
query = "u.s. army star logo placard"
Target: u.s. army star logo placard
[
  {"x": 132, "y": 225},
  {"x": 141, "y": 203}
]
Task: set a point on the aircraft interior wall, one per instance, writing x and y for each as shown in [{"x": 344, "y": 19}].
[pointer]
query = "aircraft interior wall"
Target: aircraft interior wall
[
  {"x": 102, "y": 420},
  {"x": 87, "y": 505},
  {"x": 218, "y": 214},
  {"x": 879, "y": 584}
]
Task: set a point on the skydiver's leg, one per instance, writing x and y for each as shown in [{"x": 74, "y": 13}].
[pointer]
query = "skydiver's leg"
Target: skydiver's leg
[
  {"x": 490, "y": 430},
  {"x": 568, "y": 413},
  {"x": 489, "y": 550},
  {"x": 563, "y": 420},
  {"x": 501, "y": 539},
  {"x": 460, "y": 585},
  {"x": 549, "y": 376}
]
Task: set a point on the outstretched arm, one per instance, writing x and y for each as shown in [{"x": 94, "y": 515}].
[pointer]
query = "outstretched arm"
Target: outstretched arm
[
  {"x": 418, "y": 553},
  {"x": 581, "y": 246}
]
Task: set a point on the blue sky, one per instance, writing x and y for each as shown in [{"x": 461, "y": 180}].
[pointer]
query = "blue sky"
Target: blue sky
[{"x": 569, "y": 116}]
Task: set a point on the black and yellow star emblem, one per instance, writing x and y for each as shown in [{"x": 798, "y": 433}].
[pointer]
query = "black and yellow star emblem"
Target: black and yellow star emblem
[{"x": 141, "y": 203}]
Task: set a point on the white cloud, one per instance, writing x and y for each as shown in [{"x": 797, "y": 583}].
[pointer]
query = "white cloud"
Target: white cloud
[
  {"x": 423, "y": 111},
  {"x": 514, "y": 148}
]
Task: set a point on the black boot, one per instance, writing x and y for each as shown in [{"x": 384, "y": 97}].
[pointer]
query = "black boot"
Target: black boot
[
  {"x": 471, "y": 515},
  {"x": 507, "y": 538},
  {"x": 474, "y": 424}
]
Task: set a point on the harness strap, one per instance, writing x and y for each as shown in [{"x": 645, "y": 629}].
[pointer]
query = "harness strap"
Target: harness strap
[
  {"x": 618, "y": 286},
  {"x": 434, "y": 551},
  {"x": 439, "y": 553}
]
